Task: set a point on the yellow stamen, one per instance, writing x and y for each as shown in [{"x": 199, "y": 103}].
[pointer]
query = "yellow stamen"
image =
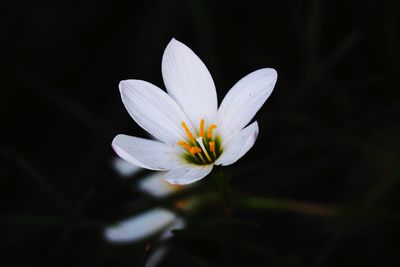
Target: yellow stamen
[
  {"x": 185, "y": 145},
  {"x": 195, "y": 150},
  {"x": 212, "y": 146},
  {"x": 210, "y": 130},
  {"x": 201, "y": 131},
  {"x": 187, "y": 131}
]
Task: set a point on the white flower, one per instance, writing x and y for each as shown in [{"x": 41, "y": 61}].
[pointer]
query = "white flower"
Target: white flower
[{"x": 192, "y": 133}]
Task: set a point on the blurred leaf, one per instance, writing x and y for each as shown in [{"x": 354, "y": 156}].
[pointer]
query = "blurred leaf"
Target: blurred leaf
[
  {"x": 262, "y": 203},
  {"x": 222, "y": 222}
]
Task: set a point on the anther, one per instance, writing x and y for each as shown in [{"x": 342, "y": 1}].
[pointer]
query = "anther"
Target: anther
[
  {"x": 195, "y": 150},
  {"x": 188, "y": 133},
  {"x": 185, "y": 145},
  {"x": 212, "y": 146},
  {"x": 210, "y": 130},
  {"x": 201, "y": 131}
]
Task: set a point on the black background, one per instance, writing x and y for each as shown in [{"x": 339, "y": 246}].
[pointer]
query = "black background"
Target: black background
[{"x": 329, "y": 134}]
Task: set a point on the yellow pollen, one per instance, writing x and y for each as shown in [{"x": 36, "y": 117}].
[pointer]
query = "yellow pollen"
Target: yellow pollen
[
  {"x": 210, "y": 130},
  {"x": 188, "y": 133},
  {"x": 195, "y": 150},
  {"x": 185, "y": 145},
  {"x": 192, "y": 149},
  {"x": 201, "y": 131},
  {"x": 212, "y": 146}
]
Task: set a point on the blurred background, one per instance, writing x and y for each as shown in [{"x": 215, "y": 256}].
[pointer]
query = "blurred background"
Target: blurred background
[{"x": 319, "y": 188}]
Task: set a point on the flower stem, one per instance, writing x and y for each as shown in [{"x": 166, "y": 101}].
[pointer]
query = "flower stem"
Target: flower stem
[{"x": 223, "y": 187}]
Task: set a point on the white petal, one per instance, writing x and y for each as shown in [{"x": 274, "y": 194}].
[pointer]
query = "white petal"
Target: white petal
[
  {"x": 124, "y": 168},
  {"x": 244, "y": 100},
  {"x": 156, "y": 186},
  {"x": 140, "y": 226},
  {"x": 178, "y": 224},
  {"x": 238, "y": 145},
  {"x": 145, "y": 153},
  {"x": 154, "y": 110},
  {"x": 189, "y": 82},
  {"x": 187, "y": 174},
  {"x": 156, "y": 256}
]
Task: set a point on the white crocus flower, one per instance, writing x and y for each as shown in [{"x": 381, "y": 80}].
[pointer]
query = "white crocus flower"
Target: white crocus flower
[{"x": 192, "y": 133}]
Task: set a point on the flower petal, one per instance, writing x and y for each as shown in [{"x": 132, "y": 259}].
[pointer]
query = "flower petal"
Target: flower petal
[
  {"x": 244, "y": 100},
  {"x": 189, "y": 82},
  {"x": 177, "y": 224},
  {"x": 156, "y": 186},
  {"x": 124, "y": 168},
  {"x": 140, "y": 226},
  {"x": 238, "y": 145},
  {"x": 157, "y": 255},
  {"x": 187, "y": 174},
  {"x": 145, "y": 153},
  {"x": 154, "y": 110}
]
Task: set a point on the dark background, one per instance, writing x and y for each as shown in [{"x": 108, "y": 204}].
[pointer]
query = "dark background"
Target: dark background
[{"x": 319, "y": 188}]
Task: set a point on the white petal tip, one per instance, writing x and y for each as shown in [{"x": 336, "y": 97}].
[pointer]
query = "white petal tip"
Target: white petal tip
[
  {"x": 114, "y": 143},
  {"x": 273, "y": 71},
  {"x": 173, "y": 42},
  {"x": 270, "y": 72},
  {"x": 121, "y": 83}
]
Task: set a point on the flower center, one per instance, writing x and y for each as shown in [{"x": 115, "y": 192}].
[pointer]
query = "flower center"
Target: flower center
[{"x": 203, "y": 150}]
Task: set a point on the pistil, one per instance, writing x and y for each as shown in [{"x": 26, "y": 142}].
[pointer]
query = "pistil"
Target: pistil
[{"x": 200, "y": 142}]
